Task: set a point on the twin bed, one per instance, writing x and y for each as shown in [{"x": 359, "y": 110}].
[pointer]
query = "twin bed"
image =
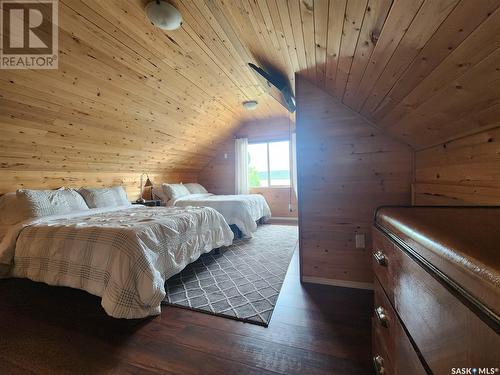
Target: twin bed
[
  {"x": 242, "y": 210},
  {"x": 103, "y": 245}
]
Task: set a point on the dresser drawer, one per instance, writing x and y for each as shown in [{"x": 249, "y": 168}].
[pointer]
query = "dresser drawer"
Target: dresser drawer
[
  {"x": 385, "y": 321},
  {"x": 394, "y": 343},
  {"x": 385, "y": 259},
  {"x": 381, "y": 362},
  {"x": 448, "y": 333}
]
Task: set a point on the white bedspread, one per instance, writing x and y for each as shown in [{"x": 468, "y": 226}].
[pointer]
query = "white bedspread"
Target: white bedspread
[
  {"x": 124, "y": 255},
  {"x": 241, "y": 210}
]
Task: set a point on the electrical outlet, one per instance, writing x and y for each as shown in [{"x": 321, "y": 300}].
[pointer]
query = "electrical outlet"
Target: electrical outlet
[{"x": 360, "y": 240}]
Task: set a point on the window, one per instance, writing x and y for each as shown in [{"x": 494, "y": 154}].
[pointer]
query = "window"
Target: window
[{"x": 269, "y": 164}]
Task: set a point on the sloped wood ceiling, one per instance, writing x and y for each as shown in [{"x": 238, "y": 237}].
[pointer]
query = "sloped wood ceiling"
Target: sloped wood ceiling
[
  {"x": 425, "y": 71},
  {"x": 130, "y": 97},
  {"x": 127, "y": 98}
]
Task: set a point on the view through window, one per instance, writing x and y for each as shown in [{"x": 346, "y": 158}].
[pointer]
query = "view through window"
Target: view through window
[{"x": 269, "y": 164}]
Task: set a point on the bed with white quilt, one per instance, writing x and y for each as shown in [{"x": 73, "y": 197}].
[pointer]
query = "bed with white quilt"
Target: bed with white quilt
[
  {"x": 119, "y": 252},
  {"x": 241, "y": 210}
]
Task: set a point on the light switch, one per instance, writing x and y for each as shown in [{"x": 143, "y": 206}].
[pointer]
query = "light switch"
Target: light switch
[
  {"x": 360, "y": 240},
  {"x": 225, "y": 156}
]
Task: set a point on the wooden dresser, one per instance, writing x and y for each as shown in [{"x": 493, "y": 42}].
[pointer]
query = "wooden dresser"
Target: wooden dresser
[{"x": 437, "y": 290}]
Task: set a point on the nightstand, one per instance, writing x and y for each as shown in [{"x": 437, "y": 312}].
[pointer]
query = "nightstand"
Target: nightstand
[{"x": 150, "y": 203}]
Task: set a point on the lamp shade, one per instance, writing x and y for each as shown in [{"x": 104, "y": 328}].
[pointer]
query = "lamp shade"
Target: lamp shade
[
  {"x": 163, "y": 15},
  {"x": 250, "y": 104}
]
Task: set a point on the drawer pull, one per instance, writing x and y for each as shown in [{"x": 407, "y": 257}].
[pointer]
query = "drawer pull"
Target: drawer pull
[
  {"x": 382, "y": 316},
  {"x": 378, "y": 363},
  {"x": 380, "y": 258}
]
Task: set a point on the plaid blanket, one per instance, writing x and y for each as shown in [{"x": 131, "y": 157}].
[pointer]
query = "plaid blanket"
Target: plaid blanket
[{"x": 123, "y": 256}]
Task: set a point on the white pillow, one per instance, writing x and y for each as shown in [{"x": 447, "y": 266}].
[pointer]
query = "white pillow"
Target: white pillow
[
  {"x": 75, "y": 200},
  {"x": 105, "y": 197},
  {"x": 12, "y": 209},
  {"x": 195, "y": 188},
  {"x": 175, "y": 191},
  {"x": 50, "y": 202}
]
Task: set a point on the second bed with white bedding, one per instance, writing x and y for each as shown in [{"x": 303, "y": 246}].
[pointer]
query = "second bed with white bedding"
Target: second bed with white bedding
[
  {"x": 122, "y": 254},
  {"x": 241, "y": 210}
]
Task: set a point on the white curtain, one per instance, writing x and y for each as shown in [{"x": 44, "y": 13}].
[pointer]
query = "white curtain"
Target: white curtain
[
  {"x": 294, "y": 161},
  {"x": 241, "y": 165}
]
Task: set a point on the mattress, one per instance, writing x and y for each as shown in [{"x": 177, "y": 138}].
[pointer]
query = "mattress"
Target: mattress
[
  {"x": 240, "y": 210},
  {"x": 121, "y": 254}
]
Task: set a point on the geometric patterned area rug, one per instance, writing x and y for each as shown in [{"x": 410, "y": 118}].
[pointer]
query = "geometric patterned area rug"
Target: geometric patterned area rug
[{"x": 239, "y": 282}]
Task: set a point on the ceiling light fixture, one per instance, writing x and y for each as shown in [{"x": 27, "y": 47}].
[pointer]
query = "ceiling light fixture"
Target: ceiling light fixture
[
  {"x": 250, "y": 104},
  {"x": 163, "y": 15}
]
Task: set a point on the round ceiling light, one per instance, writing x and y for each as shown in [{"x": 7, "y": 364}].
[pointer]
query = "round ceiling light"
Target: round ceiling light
[
  {"x": 250, "y": 104},
  {"x": 163, "y": 15}
]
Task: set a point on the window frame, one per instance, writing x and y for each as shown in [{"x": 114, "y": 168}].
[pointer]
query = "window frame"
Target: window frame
[{"x": 269, "y": 186}]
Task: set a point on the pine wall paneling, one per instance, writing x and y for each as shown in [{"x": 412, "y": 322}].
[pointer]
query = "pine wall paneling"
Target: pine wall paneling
[
  {"x": 346, "y": 169},
  {"x": 218, "y": 176},
  {"x": 15, "y": 179},
  {"x": 465, "y": 171}
]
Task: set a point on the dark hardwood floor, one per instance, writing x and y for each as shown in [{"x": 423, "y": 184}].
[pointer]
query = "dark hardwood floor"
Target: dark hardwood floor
[{"x": 54, "y": 330}]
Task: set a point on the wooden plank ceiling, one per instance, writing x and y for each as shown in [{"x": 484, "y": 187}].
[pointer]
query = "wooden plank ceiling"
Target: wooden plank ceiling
[
  {"x": 426, "y": 71},
  {"x": 128, "y": 96}
]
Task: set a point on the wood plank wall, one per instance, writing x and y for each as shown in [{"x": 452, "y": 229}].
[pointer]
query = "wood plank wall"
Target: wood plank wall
[
  {"x": 218, "y": 175},
  {"x": 465, "y": 171},
  {"x": 51, "y": 138},
  {"x": 346, "y": 169},
  {"x": 52, "y": 179},
  {"x": 219, "y": 178}
]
